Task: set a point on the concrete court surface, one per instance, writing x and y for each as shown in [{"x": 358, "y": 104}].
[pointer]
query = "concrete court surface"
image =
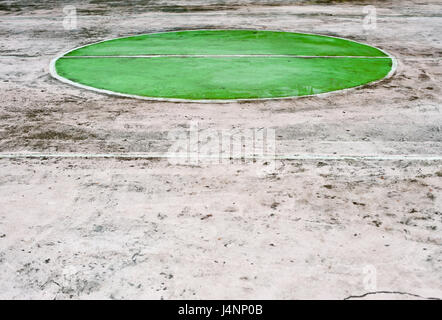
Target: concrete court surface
[{"x": 352, "y": 208}]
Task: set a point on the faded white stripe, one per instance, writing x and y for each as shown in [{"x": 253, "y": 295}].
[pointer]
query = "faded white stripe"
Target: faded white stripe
[
  {"x": 221, "y": 56},
  {"x": 159, "y": 155}
]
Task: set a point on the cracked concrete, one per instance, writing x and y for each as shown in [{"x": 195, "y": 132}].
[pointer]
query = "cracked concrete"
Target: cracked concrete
[{"x": 389, "y": 295}]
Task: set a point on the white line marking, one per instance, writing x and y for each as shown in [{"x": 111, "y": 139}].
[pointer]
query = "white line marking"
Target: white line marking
[
  {"x": 159, "y": 155},
  {"x": 223, "y": 56}
]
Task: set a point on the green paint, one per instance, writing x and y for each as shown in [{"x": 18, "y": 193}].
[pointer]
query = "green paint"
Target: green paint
[
  {"x": 197, "y": 78},
  {"x": 222, "y": 78},
  {"x": 229, "y": 42}
]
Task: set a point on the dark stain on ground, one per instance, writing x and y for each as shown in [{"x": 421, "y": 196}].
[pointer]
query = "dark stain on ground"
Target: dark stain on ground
[
  {"x": 58, "y": 135},
  {"x": 194, "y": 8}
]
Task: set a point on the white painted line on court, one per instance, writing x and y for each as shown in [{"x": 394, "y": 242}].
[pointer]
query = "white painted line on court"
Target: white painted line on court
[
  {"x": 223, "y": 56},
  {"x": 160, "y": 155}
]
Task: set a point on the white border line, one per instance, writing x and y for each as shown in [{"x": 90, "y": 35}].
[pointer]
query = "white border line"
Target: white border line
[
  {"x": 223, "y": 56},
  {"x": 55, "y": 75},
  {"x": 162, "y": 155}
]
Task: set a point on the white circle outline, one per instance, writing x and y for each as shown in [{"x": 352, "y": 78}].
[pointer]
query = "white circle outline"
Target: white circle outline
[{"x": 54, "y": 74}]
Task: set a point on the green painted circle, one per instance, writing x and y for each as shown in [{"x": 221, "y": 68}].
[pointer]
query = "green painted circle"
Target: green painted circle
[{"x": 223, "y": 65}]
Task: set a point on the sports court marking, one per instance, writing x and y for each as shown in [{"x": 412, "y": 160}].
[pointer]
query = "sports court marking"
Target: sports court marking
[
  {"x": 222, "y": 56},
  {"x": 158, "y": 155},
  {"x": 222, "y": 65}
]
